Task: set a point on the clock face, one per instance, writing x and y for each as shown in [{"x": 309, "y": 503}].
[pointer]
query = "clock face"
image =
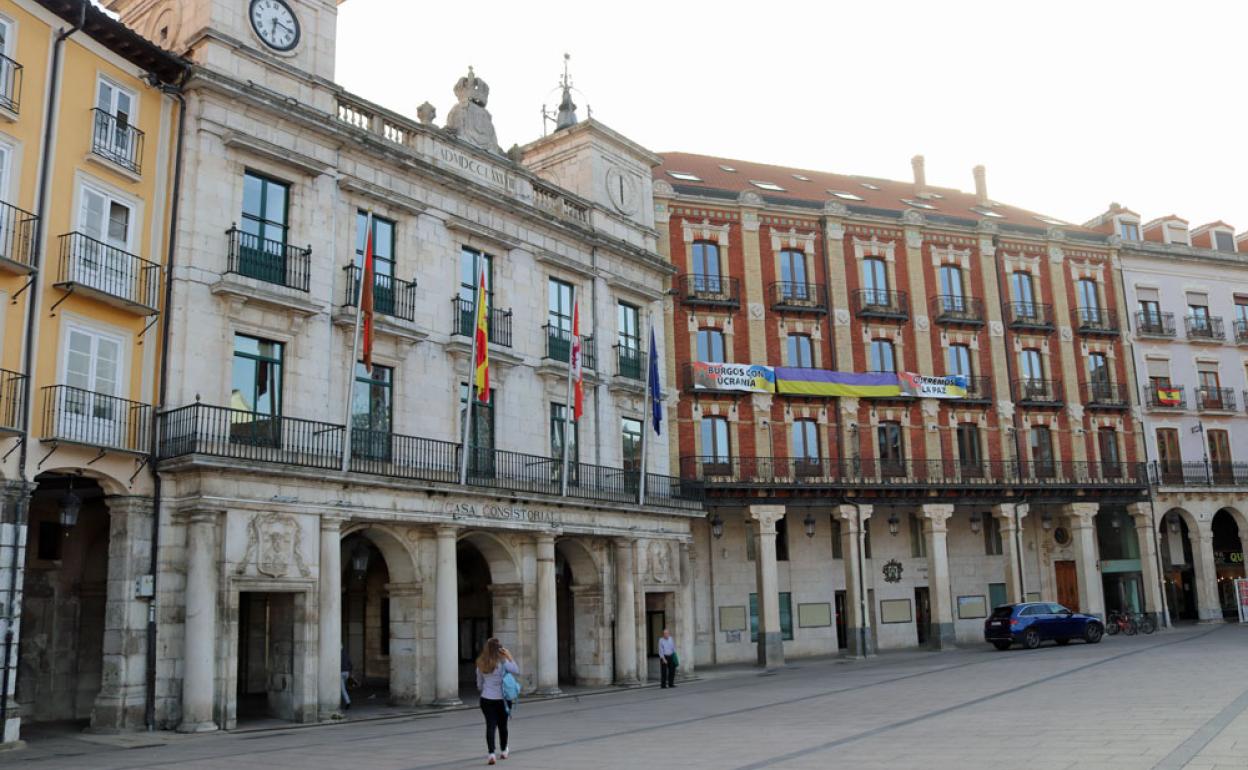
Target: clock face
[
  {"x": 622, "y": 190},
  {"x": 275, "y": 23}
]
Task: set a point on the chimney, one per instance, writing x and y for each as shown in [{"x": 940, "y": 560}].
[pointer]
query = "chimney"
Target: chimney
[
  {"x": 920, "y": 174},
  {"x": 981, "y": 185}
]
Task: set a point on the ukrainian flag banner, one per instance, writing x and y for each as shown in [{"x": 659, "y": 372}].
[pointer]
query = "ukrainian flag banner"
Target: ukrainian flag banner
[{"x": 818, "y": 382}]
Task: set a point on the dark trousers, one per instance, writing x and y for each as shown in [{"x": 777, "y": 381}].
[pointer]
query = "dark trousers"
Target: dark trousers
[
  {"x": 495, "y": 718},
  {"x": 667, "y": 673}
]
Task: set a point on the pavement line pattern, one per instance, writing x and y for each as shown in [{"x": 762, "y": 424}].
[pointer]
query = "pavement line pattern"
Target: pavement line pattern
[
  {"x": 1187, "y": 750},
  {"x": 848, "y": 739}
]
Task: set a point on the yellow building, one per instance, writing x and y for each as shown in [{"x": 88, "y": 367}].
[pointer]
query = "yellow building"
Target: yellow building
[{"x": 89, "y": 129}]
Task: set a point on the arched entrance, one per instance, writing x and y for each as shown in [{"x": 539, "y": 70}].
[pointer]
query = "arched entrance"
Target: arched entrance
[
  {"x": 1121, "y": 572},
  {"x": 583, "y": 655},
  {"x": 1178, "y": 565},
  {"x": 1228, "y": 557},
  {"x": 476, "y": 609},
  {"x": 491, "y": 600}
]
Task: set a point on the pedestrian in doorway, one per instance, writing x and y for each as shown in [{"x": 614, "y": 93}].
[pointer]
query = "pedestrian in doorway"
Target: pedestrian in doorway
[
  {"x": 668, "y": 660},
  {"x": 494, "y": 662},
  {"x": 346, "y": 675}
]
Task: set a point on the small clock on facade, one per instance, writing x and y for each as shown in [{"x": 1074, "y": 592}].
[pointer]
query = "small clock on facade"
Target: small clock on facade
[
  {"x": 275, "y": 23},
  {"x": 622, "y": 190}
]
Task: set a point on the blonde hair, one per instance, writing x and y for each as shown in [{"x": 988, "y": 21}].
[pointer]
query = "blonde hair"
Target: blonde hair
[{"x": 491, "y": 656}]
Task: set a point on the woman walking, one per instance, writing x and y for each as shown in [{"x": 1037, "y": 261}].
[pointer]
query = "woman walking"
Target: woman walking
[{"x": 492, "y": 664}]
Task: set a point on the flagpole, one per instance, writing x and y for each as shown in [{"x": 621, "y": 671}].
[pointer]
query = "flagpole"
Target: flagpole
[
  {"x": 472, "y": 366},
  {"x": 355, "y": 348},
  {"x": 568, "y": 407},
  {"x": 645, "y": 416}
]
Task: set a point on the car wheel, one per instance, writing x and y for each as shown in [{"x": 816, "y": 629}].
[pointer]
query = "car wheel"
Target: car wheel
[
  {"x": 1092, "y": 634},
  {"x": 1031, "y": 639},
  {"x": 1062, "y": 641},
  {"x": 1001, "y": 645}
]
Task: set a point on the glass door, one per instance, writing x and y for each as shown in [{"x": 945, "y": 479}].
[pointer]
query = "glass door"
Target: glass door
[{"x": 88, "y": 409}]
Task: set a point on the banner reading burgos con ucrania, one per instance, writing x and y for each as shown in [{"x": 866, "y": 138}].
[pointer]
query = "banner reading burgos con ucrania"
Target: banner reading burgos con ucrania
[{"x": 749, "y": 378}]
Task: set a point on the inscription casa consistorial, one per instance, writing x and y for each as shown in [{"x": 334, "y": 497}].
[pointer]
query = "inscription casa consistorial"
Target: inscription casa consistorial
[
  {"x": 505, "y": 512},
  {"x": 892, "y": 571}
]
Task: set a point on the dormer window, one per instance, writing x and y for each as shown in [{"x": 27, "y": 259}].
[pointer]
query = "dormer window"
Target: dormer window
[
  {"x": 1176, "y": 233},
  {"x": 1128, "y": 230},
  {"x": 1223, "y": 241}
]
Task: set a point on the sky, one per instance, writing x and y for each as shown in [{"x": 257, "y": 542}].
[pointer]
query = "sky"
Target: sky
[{"x": 1069, "y": 105}]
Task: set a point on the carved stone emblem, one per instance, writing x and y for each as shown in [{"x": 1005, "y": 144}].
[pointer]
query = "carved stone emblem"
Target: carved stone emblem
[
  {"x": 470, "y": 120},
  {"x": 660, "y": 562},
  {"x": 274, "y": 542},
  {"x": 892, "y": 571}
]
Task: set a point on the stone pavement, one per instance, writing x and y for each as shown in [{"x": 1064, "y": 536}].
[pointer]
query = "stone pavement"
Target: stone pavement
[{"x": 1175, "y": 699}]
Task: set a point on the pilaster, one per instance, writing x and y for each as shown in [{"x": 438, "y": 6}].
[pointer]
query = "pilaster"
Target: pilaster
[
  {"x": 1083, "y": 532},
  {"x": 935, "y": 518},
  {"x": 1010, "y": 532},
  {"x": 853, "y": 520},
  {"x": 770, "y": 638},
  {"x": 1145, "y": 535}
]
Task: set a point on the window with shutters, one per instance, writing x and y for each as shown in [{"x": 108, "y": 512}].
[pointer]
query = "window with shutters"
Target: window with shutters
[
  {"x": 102, "y": 258},
  {"x": 91, "y": 370}
]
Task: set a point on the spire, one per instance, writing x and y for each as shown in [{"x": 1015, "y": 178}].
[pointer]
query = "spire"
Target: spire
[{"x": 567, "y": 108}]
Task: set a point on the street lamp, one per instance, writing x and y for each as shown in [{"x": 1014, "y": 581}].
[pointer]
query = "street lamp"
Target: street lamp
[
  {"x": 893, "y": 523},
  {"x": 71, "y": 503},
  {"x": 359, "y": 558},
  {"x": 975, "y": 523},
  {"x": 1174, "y": 523},
  {"x": 1046, "y": 520},
  {"x": 717, "y": 525},
  {"x": 809, "y": 521}
]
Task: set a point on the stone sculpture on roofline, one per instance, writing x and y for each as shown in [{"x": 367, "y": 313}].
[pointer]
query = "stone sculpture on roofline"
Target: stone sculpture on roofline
[{"x": 470, "y": 120}]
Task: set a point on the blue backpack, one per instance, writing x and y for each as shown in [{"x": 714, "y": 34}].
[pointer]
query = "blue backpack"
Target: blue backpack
[{"x": 511, "y": 690}]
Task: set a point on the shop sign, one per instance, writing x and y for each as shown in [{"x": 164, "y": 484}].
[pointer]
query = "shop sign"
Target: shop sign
[{"x": 1229, "y": 557}]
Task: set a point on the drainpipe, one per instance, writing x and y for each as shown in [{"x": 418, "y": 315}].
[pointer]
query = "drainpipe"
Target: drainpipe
[
  {"x": 28, "y": 352},
  {"x": 163, "y": 392},
  {"x": 1018, "y": 547}
]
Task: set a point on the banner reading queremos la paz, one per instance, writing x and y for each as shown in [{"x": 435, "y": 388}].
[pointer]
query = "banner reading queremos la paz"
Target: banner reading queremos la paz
[
  {"x": 750, "y": 378},
  {"x": 925, "y": 386}
]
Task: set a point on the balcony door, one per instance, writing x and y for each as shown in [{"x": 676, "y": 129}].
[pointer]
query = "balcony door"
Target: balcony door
[
  {"x": 87, "y": 410},
  {"x": 471, "y": 262},
  {"x": 101, "y": 259},
  {"x": 265, "y": 224},
  {"x": 706, "y": 273},
  {"x": 875, "y": 282},
  {"x": 804, "y": 447},
  {"x": 1025, "y": 296},
  {"x": 1089, "y": 301},
  {"x": 1220, "y": 456},
  {"x": 952, "y": 294},
  {"x": 383, "y": 260},
  {"x": 1169, "y": 457},
  {"x": 892, "y": 449},
  {"x": 559, "y": 320},
  {"x": 1041, "y": 440},
  {"x": 114, "y": 123},
  {"x": 793, "y": 275}
]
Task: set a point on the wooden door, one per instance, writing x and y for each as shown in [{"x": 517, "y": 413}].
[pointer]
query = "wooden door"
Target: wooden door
[
  {"x": 922, "y": 614},
  {"x": 1169, "y": 456},
  {"x": 1220, "y": 456},
  {"x": 1067, "y": 584}
]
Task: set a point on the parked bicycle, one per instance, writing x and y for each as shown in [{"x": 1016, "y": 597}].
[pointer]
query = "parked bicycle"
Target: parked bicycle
[{"x": 1129, "y": 623}]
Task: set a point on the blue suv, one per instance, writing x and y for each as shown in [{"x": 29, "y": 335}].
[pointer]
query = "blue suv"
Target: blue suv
[{"x": 1031, "y": 623}]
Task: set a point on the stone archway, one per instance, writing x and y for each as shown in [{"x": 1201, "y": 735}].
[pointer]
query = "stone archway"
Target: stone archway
[
  {"x": 491, "y": 600},
  {"x": 584, "y": 654},
  {"x": 1229, "y": 549},
  {"x": 1182, "y": 564}
]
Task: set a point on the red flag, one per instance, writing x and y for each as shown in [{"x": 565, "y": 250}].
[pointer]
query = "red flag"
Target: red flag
[
  {"x": 482, "y": 365},
  {"x": 366, "y": 299},
  {"x": 578, "y": 403}
]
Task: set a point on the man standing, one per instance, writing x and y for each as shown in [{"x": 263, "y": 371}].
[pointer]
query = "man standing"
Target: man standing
[
  {"x": 667, "y": 660},
  {"x": 346, "y": 675}
]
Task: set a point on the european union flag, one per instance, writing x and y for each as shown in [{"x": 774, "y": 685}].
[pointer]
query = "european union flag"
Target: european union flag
[{"x": 656, "y": 390}]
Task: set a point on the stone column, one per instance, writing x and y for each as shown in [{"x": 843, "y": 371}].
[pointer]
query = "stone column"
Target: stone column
[
  {"x": 857, "y": 615},
  {"x": 935, "y": 534},
  {"x": 686, "y": 625},
  {"x": 1083, "y": 532},
  {"x": 1145, "y": 533},
  {"x": 405, "y": 676},
  {"x": 199, "y": 673},
  {"x": 1205, "y": 569},
  {"x": 767, "y": 582},
  {"x": 625, "y": 614},
  {"x": 14, "y": 517},
  {"x": 329, "y": 615},
  {"x": 122, "y": 699},
  {"x": 1010, "y": 549},
  {"x": 446, "y": 614},
  {"x": 547, "y": 619}
]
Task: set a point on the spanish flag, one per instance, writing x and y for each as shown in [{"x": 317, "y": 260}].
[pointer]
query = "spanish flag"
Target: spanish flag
[
  {"x": 578, "y": 377},
  {"x": 1169, "y": 396},
  {"x": 482, "y": 380}
]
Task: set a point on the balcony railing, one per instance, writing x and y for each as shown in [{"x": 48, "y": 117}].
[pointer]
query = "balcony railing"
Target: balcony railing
[
  {"x": 559, "y": 346},
  {"x": 1154, "y": 324},
  {"x": 12, "y": 400},
  {"x": 713, "y": 290},
  {"x": 10, "y": 85},
  {"x": 629, "y": 362},
  {"x": 391, "y": 296},
  {"x": 1201, "y": 474},
  {"x": 878, "y": 303},
  {"x": 1029, "y": 315},
  {"x": 1107, "y": 395},
  {"x": 798, "y": 297},
  {"x": 115, "y": 140},
  {"x": 269, "y": 261},
  {"x": 978, "y": 388},
  {"x": 709, "y": 472},
  {"x": 1241, "y": 330},
  {"x": 76, "y": 416},
  {"x": 498, "y": 320},
  {"x": 17, "y": 236},
  {"x": 956, "y": 309},
  {"x": 1210, "y": 329},
  {"x": 1159, "y": 397},
  {"x": 1215, "y": 399},
  {"x": 200, "y": 429},
  {"x": 1033, "y": 391},
  {"x": 108, "y": 272},
  {"x": 1096, "y": 320}
]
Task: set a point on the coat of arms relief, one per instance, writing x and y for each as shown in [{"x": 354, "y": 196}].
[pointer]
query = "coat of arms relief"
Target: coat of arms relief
[{"x": 274, "y": 545}]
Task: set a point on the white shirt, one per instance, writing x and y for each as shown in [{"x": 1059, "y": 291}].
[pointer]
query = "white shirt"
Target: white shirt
[{"x": 667, "y": 646}]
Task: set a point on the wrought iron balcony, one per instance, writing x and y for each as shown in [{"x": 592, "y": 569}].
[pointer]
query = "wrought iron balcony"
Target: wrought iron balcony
[
  {"x": 76, "y": 416},
  {"x": 1154, "y": 324},
  {"x": 498, "y": 320},
  {"x": 559, "y": 346},
  {"x": 12, "y": 400},
  {"x": 1204, "y": 329},
  {"x": 878, "y": 303},
  {"x": 957, "y": 309},
  {"x": 10, "y": 85},
  {"x": 1215, "y": 400},
  {"x": 1106, "y": 395},
  {"x": 1165, "y": 397},
  {"x": 117, "y": 141},
  {"x": 1096, "y": 320},
  {"x": 107, "y": 273},
  {"x": 978, "y": 389},
  {"x": 244, "y": 435},
  {"x": 1200, "y": 474},
  {"x": 391, "y": 296},
  {"x": 712, "y": 290},
  {"x": 269, "y": 261},
  {"x": 629, "y": 362},
  {"x": 17, "y": 239},
  {"x": 798, "y": 297},
  {"x": 1029, "y": 315},
  {"x": 1038, "y": 392}
]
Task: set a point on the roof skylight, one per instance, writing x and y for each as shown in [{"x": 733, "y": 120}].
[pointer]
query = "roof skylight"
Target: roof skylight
[
  {"x": 729, "y": 169},
  {"x": 1048, "y": 221},
  {"x": 987, "y": 212},
  {"x": 869, "y": 186},
  {"x": 684, "y": 176},
  {"x": 918, "y": 204},
  {"x": 846, "y": 195},
  {"x": 767, "y": 186},
  {"x": 801, "y": 178}
]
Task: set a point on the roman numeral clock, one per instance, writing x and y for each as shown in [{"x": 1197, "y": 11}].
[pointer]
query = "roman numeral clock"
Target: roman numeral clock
[{"x": 275, "y": 24}]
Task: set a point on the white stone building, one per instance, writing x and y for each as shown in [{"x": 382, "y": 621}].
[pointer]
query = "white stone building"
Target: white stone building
[{"x": 275, "y": 562}]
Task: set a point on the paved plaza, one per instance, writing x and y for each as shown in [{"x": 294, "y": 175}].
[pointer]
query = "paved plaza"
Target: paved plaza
[{"x": 1175, "y": 699}]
